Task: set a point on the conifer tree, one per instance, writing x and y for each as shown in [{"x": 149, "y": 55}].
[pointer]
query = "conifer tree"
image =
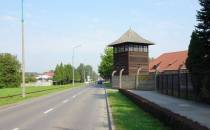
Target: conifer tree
[
  {"x": 198, "y": 61},
  {"x": 203, "y": 31}
]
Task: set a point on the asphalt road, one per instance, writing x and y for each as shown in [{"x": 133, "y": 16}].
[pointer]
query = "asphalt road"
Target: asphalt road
[{"x": 75, "y": 109}]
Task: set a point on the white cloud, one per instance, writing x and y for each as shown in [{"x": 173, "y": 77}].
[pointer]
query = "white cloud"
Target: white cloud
[{"x": 8, "y": 18}]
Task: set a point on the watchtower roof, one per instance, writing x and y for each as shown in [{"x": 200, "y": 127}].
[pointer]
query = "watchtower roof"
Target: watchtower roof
[{"x": 131, "y": 37}]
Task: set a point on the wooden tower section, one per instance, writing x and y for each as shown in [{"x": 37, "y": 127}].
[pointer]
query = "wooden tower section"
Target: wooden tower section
[{"x": 131, "y": 51}]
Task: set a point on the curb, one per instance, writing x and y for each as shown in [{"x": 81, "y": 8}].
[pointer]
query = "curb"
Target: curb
[
  {"x": 109, "y": 112},
  {"x": 171, "y": 119}
]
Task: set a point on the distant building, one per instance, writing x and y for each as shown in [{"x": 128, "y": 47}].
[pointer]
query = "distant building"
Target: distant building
[
  {"x": 44, "y": 79},
  {"x": 45, "y": 76},
  {"x": 169, "y": 62},
  {"x": 50, "y": 74}
]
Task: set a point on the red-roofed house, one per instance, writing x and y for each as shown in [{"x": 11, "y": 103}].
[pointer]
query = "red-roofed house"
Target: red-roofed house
[
  {"x": 49, "y": 74},
  {"x": 46, "y": 76},
  {"x": 169, "y": 62}
]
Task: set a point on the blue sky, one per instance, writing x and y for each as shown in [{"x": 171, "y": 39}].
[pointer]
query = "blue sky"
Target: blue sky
[{"x": 53, "y": 27}]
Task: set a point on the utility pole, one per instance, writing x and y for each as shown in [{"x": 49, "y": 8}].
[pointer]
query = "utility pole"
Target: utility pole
[
  {"x": 23, "y": 51},
  {"x": 84, "y": 73},
  {"x": 73, "y": 62}
]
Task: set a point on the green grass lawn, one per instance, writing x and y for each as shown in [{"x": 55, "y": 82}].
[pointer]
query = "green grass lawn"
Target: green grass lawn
[
  {"x": 14, "y": 91},
  {"x": 108, "y": 84},
  {"x": 128, "y": 116}
]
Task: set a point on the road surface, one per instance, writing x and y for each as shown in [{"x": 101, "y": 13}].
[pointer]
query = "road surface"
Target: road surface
[{"x": 75, "y": 109}]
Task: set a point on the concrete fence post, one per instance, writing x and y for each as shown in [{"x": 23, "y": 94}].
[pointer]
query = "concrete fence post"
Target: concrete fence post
[
  {"x": 120, "y": 82},
  {"x": 113, "y": 73},
  {"x": 156, "y": 73},
  {"x": 179, "y": 80},
  {"x": 137, "y": 77}
]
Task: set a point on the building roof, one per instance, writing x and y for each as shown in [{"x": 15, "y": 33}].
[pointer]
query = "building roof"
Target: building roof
[
  {"x": 169, "y": 61},
  {"x": 50, "y": 74},
  {"x": 131, "y": 36}
]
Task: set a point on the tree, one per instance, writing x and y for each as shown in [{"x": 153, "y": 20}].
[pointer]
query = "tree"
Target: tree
[
  {"x": 94, "y": 76},
  {"x": 77, "y": 76},
  {"x": 56, "y": 77},
  {"x": 198, "y": 61},
  {"x": 106, "y": 66},
  {"x": 67, "y": 73},
  {"x": 63, "y": 73},
  {"x": 195, "y": 54},
  {"x": 81, "y": 71},
  {"x": 194, "y": 61},
  {"x": 59, "y": 74},
  {"x": 88, "y": 71},
  {"x": 10, "y": 72},
  {"x": 30, "y": 78},
  {"x": 203, "y": 31}
]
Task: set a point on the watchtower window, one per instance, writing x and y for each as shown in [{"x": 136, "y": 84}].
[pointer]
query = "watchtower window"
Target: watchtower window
[
  {"x": 131, "y": 48},
  {"x": 126, "y": 48},
  {"x": 118, "y": 49},
  {"x": 136, "y": 48},
  {"x": 140, "y": 48},
  {"x": 145, "y": 48},
  {"x": 122, "y": 49},
  {"x": 115, "y": 50}
]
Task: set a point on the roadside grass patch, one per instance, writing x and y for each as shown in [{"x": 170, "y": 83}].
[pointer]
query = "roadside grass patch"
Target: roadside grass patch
[
  {"x": 128, "y": 116},
  {"x": 107, "y": 84},
  {"x": 13, "y": 91}
]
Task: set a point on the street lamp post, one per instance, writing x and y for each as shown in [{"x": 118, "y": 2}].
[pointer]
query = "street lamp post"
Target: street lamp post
[
  {"x": 84, "y": 73},
  {"x": 23, "y": 51},
  {"x": 73, "y": 63}
]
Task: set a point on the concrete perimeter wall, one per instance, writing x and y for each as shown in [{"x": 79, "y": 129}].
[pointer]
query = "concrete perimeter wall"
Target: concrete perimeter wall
[
  {"x": 129, "y": 82},
  {"x": 146, "y": 82}
]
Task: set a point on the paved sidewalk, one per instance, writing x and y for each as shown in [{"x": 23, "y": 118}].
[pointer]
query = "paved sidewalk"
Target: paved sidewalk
[{"x": 189, "y": 109}]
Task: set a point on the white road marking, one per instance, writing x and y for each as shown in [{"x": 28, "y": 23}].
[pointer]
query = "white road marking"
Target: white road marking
[
  {"x": 65, "y": 101},
  {"x": 81, "y": 92},
  {"x": 49, "y": 110},
  {"x": 16, "y": 129}
]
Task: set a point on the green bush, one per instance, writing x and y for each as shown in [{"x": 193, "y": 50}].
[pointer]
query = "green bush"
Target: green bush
[
  {"x": 30, "y": 79},
  {"x": 10, "y": 75}
]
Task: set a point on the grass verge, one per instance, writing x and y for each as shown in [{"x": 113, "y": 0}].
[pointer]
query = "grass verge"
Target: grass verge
[
  {"x": 128, "y": 116},
  {"x": 16, "y": 99},
  {"x": 107, "y": 84}
]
